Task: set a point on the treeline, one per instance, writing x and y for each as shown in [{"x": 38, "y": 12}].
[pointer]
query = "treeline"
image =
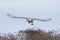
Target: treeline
[{"x": 31, "y": 34}]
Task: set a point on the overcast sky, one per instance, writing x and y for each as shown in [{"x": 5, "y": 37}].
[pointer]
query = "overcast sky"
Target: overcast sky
[{"x": 29, "y": 8}]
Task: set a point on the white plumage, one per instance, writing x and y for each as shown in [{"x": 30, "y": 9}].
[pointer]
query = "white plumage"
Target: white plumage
[{"x": 30, "y": 20}]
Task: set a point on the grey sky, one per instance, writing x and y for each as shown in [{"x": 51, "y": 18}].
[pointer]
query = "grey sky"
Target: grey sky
[{"x": 29, "y": 8}]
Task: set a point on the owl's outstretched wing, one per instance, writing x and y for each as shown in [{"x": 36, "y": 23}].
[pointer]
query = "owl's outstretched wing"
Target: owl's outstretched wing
[
  {"x": 16, "y": 17},
  {"x": 45, "y": 20}
]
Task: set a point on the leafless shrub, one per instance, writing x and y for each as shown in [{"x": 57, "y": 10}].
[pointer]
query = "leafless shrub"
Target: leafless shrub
[
  {"x": 11, "y": 37},
  {"x": 39, "y": 35},
  {"x": 30, "y": 34}
]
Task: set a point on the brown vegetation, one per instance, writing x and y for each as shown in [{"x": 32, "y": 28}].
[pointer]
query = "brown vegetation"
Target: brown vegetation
[
  {"x": 40, "y": 35},
  {"x": 30, "y": 35}
]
